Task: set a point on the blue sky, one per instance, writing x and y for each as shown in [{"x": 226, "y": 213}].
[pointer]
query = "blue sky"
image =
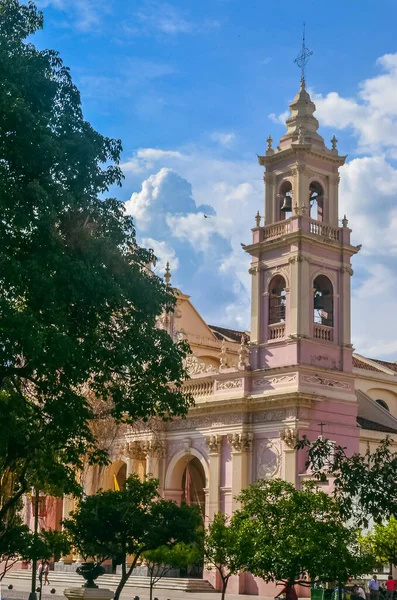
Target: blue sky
[{"x": 194, "y": 88}]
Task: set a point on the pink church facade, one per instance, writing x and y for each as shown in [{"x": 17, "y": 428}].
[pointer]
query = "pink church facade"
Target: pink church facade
[{"x": 293, "y": 374}]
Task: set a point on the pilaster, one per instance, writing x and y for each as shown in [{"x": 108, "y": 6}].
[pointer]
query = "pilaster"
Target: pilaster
[
  {"x": 288, "y": 437},
  {"x": 255, "y": 303},
  {"x": 214, "y": 444},
  {"x": 241, "y": 444}
]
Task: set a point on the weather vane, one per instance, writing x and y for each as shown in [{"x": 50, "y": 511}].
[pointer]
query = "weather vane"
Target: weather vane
[{"x": 303, "y": 57}]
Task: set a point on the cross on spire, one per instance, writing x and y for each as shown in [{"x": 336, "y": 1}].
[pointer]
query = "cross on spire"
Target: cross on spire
[{"x": 303, "y": 57}]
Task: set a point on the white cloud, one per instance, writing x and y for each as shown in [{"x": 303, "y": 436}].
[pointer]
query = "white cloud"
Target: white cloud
[
  {"x": 164, "y": 253},
  {"x": 224, "y": 139},
  {"x": 279, "y": 119},
  {"x": 86, "y": 14},
  {"x": 167, "y": 20}
]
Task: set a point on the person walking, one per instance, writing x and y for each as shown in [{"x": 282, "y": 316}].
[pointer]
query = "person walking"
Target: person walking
[
  {"x": 374, "y": 588},
  {"x": 359, "y": 592},
  {"x": 390, "y": 587},
  {"x": 46, "y": 570}
]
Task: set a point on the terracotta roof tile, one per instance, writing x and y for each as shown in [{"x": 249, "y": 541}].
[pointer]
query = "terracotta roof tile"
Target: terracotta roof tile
[
  {"x": 390, "y": 365},
  {"x": 223, "y": 332},
  {"x": 360, "y": 364}
]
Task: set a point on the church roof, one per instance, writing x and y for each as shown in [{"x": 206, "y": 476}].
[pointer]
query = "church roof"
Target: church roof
[
  {"x": 373, "y": 426},
  {"x": 229, "y": 335}
]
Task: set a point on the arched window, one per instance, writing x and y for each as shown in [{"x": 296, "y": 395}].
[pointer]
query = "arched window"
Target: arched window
[
  {"x": 383, "y": 404},
  {"x": 285, "y": 200},
  {"x": 316, "y": 201},
  {"x": 277, "y": 300},
  {"x": 323, "y": 301}
]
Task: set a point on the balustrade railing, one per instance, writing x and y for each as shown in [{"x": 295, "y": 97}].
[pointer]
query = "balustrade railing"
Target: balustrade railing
[
  {"x": 276, "y": 331},
  {"x": 323, "y": 230},
  {"x": 324, "y": 333},
  {"x": 276, "y": 230},
  {"x": 198, "y": 389}
]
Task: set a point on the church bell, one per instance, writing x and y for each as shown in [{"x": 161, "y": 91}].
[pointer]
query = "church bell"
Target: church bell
[{"x": 287, "y": 204}]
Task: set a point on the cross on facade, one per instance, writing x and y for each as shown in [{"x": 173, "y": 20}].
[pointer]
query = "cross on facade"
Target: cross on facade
[{"x": 321, "y": 425}]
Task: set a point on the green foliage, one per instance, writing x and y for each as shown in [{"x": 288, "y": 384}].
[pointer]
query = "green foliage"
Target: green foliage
[
  {"x": 17, "y": 542},
  {"x": 130, "y": 522},
  {"x": 382, "y": 542},
  {"x": 365, "y": 485},
  {"x": 288, "y": 535},
  {"x": 78, "y": 307},
  {"x": 163, "y": 559},
  {"x": 222, "y": 548}
]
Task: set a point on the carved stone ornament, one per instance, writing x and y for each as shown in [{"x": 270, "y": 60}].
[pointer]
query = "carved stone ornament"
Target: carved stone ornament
[
  {"x": 317, "y": 380},
  {"x": 195, "y": 366},
  {"x": 214, "y": 443},
  {"x": 288, "y": 436},
  {"x": 269, "y": 382},
  {"x": 243, "y": 355},
  {"x": 229, "y": 384},
  {"x": 223, "y": 356},
  {"x": 240, "y": 441},
  {"x": 268, "y": 459}
]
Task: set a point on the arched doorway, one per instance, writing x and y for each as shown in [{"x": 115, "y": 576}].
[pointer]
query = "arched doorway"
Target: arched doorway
[{"x": 193, "y": 484}]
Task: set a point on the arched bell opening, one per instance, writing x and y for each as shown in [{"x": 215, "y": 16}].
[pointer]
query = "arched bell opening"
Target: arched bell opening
[
  {"x": 277, "y": 308},
  {"x": 285, "y": 201},
  {"x": 316, "y": 201},
  {"x": 323, "y": 308}
]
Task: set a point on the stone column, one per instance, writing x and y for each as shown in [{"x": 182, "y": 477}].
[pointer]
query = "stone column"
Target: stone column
[
  {"x": 271, "y": 198},
  {"x": 137, "y": 456},
  {"x": 288, "y": 437},
  {"x": 214, "y": 443},
  {"x": 255, "y": 304},
  {"x": 153, "y": 450},
  {"x": 241, "y": 444},
  {"x": 67, "y": 507}
]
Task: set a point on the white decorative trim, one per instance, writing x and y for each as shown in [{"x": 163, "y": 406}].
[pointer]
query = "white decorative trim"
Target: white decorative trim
[
  {"x": 272, "y": 381},
  {"x": 317, "y": 380},
  {"x": 229, "y": 384},
  {"x": 194, "y": 365},
  {"x": 267, "y": 470}
]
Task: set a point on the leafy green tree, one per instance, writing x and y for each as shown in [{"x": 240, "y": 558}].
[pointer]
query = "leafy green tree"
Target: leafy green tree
[
  {"x": 382, "y": 542},
  {"x": 18, "y": 543},
  {"x": 222, "y": 549},
  {"x": 132, "y": 522},
  {"x": 78, "y": 307},
  {"x": 295, "y": 535},
  {"x": 162, "y": 560},
  {"x": 365, "y": 485}
]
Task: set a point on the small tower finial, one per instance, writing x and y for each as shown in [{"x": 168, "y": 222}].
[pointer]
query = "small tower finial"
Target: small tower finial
[
  {"x": 257, "y": 219},
  {"x": 167, "y": 274},
  {"x": 303, "y": 57},
  {"x": 269, "y": 142},
  {"x": 334, "y": 143}
]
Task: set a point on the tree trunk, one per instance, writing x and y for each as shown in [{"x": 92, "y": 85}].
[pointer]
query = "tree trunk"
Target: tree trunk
[
  {"x": 340, "y": 595},
  {"x": 125, "y": 577},
  {"x": 151, "y": 588},
  {"x": 225, "y": 581}
]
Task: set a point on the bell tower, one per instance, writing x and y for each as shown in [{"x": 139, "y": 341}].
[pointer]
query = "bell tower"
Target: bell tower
[{"x": 301, "y": 253}]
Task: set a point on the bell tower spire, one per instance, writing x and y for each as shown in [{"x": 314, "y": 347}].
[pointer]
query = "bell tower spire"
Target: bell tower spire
[{"x": 301, "y": 256}]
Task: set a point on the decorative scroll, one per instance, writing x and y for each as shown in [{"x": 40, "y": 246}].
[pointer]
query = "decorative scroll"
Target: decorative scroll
[
  {"x": 229, "y": 384},
  {"x": 194, "y": 365},
  {"x": 272, "y": 381},
  {"x": 317, "y": 380}
]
